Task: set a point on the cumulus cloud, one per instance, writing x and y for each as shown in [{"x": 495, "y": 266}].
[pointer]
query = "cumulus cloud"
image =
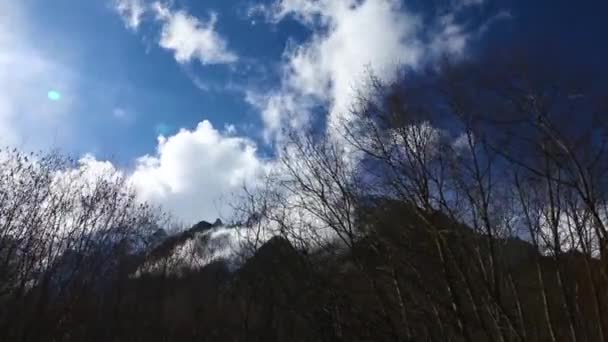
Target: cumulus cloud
[
  {"x": 192, "y": 173},
  {"x": 27, "y": 74},
  {"x": 193, "y": 170},
  {"x": 350, "y": 37}
]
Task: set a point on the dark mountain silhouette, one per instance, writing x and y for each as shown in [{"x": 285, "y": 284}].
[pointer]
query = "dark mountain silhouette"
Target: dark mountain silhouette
[
  {"x": 167, "y": 244},
  {"x": 283, "y": 294}
]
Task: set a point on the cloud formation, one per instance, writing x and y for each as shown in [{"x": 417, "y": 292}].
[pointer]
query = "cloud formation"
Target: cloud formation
[
  {"x": 131, "y": 11},
  {"x": 193, "y": 170},
  {"x": 188, "y": 37},
  {"x": 192, "y": 173},
  {"x": 192, "y": 38},
  {"x": 349, "y": 38}
]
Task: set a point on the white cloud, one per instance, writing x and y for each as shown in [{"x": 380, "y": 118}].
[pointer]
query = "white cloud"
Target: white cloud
[
  {"x": 229, "y": 129},
  {"x": 87, "y": 174},
  {"x": 192, "y": 38},
  {"x": 193, "y": 170},
  {"x": 131, "y": 11},
  {"x": 349, "y": 38},
  {"x": 192, "y": 175},
  {"x": 280, "y": 108},
  {"x": 450, "y": 37},
  {"x": 188, "y": 37},
  {"x": 27, "y": 74}
]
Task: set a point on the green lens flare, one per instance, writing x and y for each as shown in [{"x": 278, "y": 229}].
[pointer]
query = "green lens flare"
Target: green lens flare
[{"x": 54, "y": 95}]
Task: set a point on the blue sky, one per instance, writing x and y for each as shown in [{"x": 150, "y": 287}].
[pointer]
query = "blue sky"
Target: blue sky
[
  {"x": 129, "y": 89},
  {"x": 188, "y": 97}
]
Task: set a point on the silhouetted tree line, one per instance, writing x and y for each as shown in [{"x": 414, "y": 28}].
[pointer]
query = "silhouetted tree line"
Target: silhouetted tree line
[{"x": 463, "y": 203}]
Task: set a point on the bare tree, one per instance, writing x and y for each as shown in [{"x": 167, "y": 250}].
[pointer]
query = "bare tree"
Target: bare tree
[
  {"x": 494, "y": 179},
  {"x": 63, "y": 229}
]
